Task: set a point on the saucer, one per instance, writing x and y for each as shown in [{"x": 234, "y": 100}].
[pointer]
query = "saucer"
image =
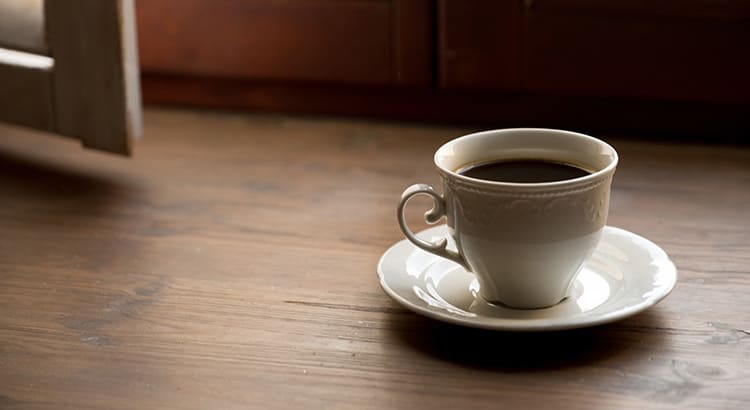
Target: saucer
[{"x": 626, "y": 275}]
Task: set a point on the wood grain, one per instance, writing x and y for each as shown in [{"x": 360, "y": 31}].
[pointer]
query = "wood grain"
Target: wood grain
[{"x": 231, "y": 264}]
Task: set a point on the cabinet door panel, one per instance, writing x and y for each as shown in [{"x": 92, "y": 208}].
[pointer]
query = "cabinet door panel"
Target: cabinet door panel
[
  {"x": 341, "y": 41},
  {"x": 691, "y": 50},
  {"x": 695, "y": 52}
]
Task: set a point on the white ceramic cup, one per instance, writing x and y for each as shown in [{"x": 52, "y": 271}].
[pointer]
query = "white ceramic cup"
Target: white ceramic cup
[{"x": 525, "y": 242}]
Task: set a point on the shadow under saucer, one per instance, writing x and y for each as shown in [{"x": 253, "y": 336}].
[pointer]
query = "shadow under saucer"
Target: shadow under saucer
[{"x": 510, "y": 351}]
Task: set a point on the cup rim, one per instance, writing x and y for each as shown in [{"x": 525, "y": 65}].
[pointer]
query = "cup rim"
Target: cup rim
[{"x": 592, "y": 177}]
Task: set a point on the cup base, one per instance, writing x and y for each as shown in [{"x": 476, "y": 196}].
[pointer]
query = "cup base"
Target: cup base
[{"x": 506, "y": 306}]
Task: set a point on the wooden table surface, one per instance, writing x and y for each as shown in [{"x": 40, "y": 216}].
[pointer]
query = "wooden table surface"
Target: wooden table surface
[{"x": 231, "y": 264}]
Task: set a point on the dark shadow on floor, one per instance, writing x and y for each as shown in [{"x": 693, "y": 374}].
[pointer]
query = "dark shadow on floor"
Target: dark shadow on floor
[
  {"x": 27, "y": 177},
  {"x": 508, "y": 351}
]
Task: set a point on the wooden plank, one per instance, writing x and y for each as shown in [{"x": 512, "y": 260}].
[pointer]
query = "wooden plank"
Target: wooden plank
[
  {"x": 26, "y": 89},
  {"x": 95, "y": 83},
  {"x": 237, "y": 271},
  {"x": 22, "y": 26}
]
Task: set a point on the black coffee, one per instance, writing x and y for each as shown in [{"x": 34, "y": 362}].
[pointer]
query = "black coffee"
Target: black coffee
[{"x": 523, "y": 171}]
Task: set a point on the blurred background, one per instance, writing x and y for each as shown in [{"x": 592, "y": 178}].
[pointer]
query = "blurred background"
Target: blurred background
[{"x": 666, "y": 66}]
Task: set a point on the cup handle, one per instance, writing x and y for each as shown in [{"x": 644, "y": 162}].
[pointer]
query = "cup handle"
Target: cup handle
[{"x": 431, "y": 217}]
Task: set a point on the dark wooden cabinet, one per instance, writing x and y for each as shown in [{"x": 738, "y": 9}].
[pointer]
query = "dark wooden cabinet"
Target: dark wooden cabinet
[{"x": 665, "y": 64}]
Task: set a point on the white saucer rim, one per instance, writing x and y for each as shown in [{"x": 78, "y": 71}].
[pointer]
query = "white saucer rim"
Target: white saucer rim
[{"x": 542, "y": 324}]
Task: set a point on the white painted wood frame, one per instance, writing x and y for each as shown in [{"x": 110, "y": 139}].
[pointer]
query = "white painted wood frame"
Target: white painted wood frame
[{"x": 82, "y": 81}]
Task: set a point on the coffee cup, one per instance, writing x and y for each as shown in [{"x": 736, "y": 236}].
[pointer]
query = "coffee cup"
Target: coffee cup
[{"x": 525, "y": 208}]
